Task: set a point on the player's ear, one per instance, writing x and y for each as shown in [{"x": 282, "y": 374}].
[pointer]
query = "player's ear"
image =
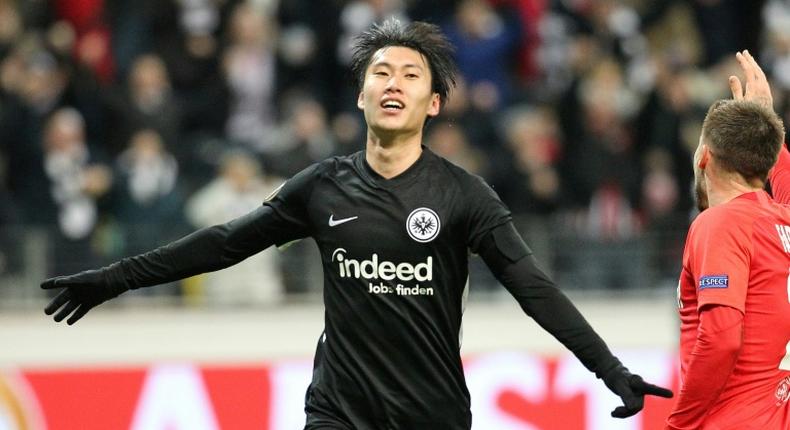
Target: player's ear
[
  {"x": 436, "y": 104},
  {"x": 704, "y": 156},
  {"x": 361, "y": 101}
]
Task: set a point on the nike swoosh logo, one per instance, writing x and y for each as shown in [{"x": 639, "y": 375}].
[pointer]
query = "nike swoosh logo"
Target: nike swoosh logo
[{"x": 335, "y": 222}]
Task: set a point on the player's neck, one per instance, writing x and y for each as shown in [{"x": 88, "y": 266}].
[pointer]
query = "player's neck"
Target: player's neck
[
  {"x": 722, "y": 190},
  {"x": 391, "y": 157}
]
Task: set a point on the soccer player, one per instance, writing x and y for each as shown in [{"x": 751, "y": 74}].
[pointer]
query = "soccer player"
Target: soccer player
[
  {"x": 735, "y": 279},
  {"x": 394, "y": 225}
]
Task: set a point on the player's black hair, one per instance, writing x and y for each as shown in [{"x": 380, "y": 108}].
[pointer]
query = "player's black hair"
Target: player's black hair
[{"x": 425, "y": 38}]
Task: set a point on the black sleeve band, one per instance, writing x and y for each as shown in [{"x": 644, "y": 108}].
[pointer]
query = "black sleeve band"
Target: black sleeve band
[
  {"x": 509, "y": 243},
  {"x": 539, "y": 297},
  {"x": 205, "y": 250}
]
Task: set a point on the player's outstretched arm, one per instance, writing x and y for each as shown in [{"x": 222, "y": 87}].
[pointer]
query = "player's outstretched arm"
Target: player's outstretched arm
[
  {"x": 510, "y": 260},
  {"x": 205, "y": 250}
]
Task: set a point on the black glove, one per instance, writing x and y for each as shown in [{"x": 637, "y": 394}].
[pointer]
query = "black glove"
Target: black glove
[
  {"x": 632, "y": 390},
  {"x": 83, "y": 291}
]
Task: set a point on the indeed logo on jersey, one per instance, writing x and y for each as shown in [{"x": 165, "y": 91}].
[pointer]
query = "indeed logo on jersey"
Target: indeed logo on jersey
[
  {"x": 714, "y": 281},
  {"x": 386, "y": 270}
]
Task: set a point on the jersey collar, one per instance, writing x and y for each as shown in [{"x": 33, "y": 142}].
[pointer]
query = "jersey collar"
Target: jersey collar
[{"x": 406, "y": 177}]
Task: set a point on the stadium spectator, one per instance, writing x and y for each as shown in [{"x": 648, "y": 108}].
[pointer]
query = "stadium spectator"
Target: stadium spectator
[
  {"x": 92, "y": 35},
  {"x": 776, "y": 53},
  {"x": 668, "y": 111},
  {"x": 192, "y": 52},
  {"x": 486, "y": 43},
  {"x": 530, "y": 181},
  {"x": 305, "y": 136},
  {"x": 11, "y": 26},
  {"x": 477, "y": 123},
  {"x": 664, "y": 234},
  {"x": 34, "y": 85},
  {"x": 75, "y": 183},
  {"x": 602, "y": 173},
  {"x": 239, "y": 188},
  {"x": 307, "y": 45},
  {"x": 146, "y": 198},
  {"x": 727, "y": 25},
  {"x": 451, "y": 143},
  {"x": 147, "y": 103},
  {"x": 249, "y": 68},
  {"x": 348, "y": 131}
]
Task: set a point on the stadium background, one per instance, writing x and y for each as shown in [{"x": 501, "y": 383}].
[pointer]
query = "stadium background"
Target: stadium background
[{"x": 126, "y": 124}]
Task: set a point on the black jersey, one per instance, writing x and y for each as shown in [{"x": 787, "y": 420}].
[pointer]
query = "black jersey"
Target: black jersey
[
  {"x": 395, "y": 255},
  {"x": 395, "y": 258}
]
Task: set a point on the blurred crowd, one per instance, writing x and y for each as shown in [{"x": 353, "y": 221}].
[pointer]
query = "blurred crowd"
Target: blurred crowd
[{"x": 125, "y": 124}]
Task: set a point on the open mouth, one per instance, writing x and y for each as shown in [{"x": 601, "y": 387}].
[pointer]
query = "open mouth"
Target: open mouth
[{"x": 392, "y": 106}]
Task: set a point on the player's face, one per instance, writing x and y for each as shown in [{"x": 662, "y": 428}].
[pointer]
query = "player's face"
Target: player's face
[
  {"x": 396, "y": 94},
  {"x": 700, "y": 190}
]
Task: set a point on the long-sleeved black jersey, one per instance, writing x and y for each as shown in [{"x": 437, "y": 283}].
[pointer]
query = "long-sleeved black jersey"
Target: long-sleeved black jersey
[{"x": 395, "y": 259}]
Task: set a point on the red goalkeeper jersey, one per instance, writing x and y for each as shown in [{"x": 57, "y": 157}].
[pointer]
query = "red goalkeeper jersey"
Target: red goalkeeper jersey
[{"x": 738, "y": 255}]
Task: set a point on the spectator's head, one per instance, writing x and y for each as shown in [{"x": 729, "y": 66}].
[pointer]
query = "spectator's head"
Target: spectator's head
[
  {"x": 43, "y": 82},
  {"x": 249, "y": 26},
  {"x": 660, "y": 193},
  {"x": 65, "y": 132},
  {"x": 533, "y": 136},
  {"x": 146, "y": 145},
  {"x": 62, "y": 38},
  {"x": 239, "y": 169},
  {"x": 447, "y": 140},
  {"x": 477, "y": 18},
  {"x": 10, "y": 23},
  {"x": 93, "y": 48},
  {"x": 450, "y": 142},
  {"x": 606, "y": 99},
  {"x": 12, "y": 73},
  {"x": 151, "y": 171},
  {"x": 739, "y": 140},
  {"x": 148, "y": 80},
  {"x": 306, "y": 117},
  {"x": 348, "y": 130},
  {"x": 458, "y": 100}
]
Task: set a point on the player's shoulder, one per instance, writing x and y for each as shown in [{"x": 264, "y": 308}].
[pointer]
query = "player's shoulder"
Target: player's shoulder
[
  {"x": 722, "y": 214},
  {"x": 339, "y": 162},
  {"x": 303, "y": 183},
  {"x": 737, "y": 215},
  {"x": 465, "y": 179},
  {"x": 329, "y": 166}
]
